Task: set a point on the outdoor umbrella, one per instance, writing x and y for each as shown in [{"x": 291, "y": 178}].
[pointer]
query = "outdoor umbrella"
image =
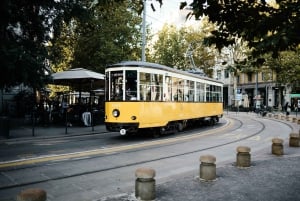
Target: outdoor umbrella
[
  {"x": 79, "y": 78},
  {"x": 76, "y": 75}
]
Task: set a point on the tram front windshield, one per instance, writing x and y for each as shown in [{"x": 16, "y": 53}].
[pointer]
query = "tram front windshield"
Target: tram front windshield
[{"x": 120, "y": 89}]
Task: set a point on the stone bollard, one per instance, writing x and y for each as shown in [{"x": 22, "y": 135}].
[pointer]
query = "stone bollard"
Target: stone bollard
[
  {"x": 32, "y": 194},
  {"x": 207, "y": 168},
  {"x": 145, "y": 184},
  {"x": 243, "y": 157},
  {"x": 276, "y": 116},
  {"x": 283, "y": 117},
  {"x": 294, "y": 140},
  {"x": 277, "y": 146},
  {"x": 294, "y": 120},
  {"x": 270, "y": 115},
  {"x": 298, "y": 121},
  {"x": 288, "y": 118}
]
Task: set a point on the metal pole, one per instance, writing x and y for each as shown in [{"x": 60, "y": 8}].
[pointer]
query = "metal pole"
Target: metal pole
[
  {"x": 33, "y": 122},
  {"x": 267, "y": 96},
  {"x": 256, "y": 83},
  {"x": 144, "y": 32},
  {"x": 91, "y": 105},
  {"x": 66, "y": 120},
  {"x": 229, "y": 90}
]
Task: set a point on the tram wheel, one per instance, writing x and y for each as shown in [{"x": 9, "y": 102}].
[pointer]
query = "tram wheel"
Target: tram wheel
[
  {"x": 156, "y": 132},
  {"x": 179, "y": 126}
]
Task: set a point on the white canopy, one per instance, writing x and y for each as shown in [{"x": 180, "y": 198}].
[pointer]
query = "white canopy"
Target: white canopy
[
  {"x": 79, "y": 78},
  {"x": 77, "y": 73}
]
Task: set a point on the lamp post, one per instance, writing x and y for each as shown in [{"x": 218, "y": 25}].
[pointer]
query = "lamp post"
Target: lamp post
[{"x": 144, "y": 32}]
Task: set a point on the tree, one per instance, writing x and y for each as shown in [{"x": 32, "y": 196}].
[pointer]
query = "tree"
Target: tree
[
  {"x": 169, "y": 47},
  {"x": 25, "y": 29},
  {"x": 267, "y": 26},
  {"x": 112, "y": 35},
  {"x": 287, "y": 67},
  {"x": 180, "y": 47}
]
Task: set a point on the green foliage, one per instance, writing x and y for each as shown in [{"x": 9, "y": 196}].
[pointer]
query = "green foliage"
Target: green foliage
[
  {"x": 25, "y": 30},
  {"x": 109, "y": 33},
  {"x": 112, "y": 35},
  {"x": 169, "y": 47},
  {"x": 173, "y": 46},
  {"x": 267, "y": 27},
  {"x": 286, "y": 66}
]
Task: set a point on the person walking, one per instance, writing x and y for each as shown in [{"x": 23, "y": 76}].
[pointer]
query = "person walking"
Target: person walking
[{"x": 287, "y": 108}]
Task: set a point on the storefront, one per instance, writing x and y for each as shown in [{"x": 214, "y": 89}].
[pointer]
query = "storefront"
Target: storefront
[{"x": 295, "y": 101}]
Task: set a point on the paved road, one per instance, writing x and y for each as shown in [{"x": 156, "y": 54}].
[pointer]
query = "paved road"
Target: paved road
[{"x": 111, "y": 174}]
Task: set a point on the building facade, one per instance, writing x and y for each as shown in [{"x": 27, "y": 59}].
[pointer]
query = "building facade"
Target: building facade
[{"x": 254, "y": 89}]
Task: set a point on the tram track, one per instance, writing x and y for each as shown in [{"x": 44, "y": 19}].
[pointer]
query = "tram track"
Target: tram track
[
  {"x": 111, "y": 148},
  {"x": 238, "y": 124}
]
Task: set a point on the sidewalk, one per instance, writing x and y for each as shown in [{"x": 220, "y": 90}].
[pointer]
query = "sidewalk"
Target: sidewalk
[
  {"x": 272, "y": 179},
  {"x": 28, "y": 132}
]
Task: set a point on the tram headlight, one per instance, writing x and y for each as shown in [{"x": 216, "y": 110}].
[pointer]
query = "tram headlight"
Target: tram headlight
[{"x": 116, "y": 113}]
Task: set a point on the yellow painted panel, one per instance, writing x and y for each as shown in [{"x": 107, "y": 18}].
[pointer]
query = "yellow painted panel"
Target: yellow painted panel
[{"x": 154, "y": 114}]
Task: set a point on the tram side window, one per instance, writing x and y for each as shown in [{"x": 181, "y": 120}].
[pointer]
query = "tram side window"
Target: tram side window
[
  {"x": 197, "y": 92},
  {"x": 151, "y": 87},
  {"x": 208, "y": 93},
  {"x": 219, "y": 94},
  {"x": 214, "y": 96},
  {"x": 191, "y": 93},
  {"x": 145, "y": 86},
  {"x": 116, "y": 88},
  {"x": 216, "y": 93},
  {"x": 157, "y": 87},
  {"x": 213, "y": 93},
  {"x": 177, "y": 89},
  {"x": 186, "y": 90},
  {"x": 131, "y": 84},
  {"x": 200, "y": 93},
  {"x": 168, "y": 89}
]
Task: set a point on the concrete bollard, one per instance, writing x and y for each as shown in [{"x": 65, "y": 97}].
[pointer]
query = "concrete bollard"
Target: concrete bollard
[
  {"x": 283, "y": 117},
  {"x": 32, "y": 194},
  {"x": 288, "y": 118},
  {"x": 145, "y": 184},
  {"x": 270, "y": 115},
  {"x": 294, "y": 120},
  {"x": 277, "y": 146},
  {"x": 243, "y": 157},
  {"x": 207, "y": 168},
  {"x": 294, "y": 140},
  {"x": 276, "y": 116},
  {"x": 298, "y": 121}
]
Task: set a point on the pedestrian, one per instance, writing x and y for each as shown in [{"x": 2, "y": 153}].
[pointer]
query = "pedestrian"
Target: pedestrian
[{"x": 287, "y": 108}]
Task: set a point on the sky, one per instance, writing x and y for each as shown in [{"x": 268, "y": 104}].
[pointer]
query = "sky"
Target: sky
[{"x": 169, "y": 13}]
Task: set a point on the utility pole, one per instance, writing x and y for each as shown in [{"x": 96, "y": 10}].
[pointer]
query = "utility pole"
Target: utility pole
[
  {"x": 144, "y": 32},
  {"x": 189, "y": 54}
]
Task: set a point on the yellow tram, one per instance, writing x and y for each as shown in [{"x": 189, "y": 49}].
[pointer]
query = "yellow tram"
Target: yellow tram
[{"x": 143, "y": 95}]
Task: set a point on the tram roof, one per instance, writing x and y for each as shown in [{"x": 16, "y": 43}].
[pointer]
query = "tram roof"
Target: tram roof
[{"x": 160, "y": 67}]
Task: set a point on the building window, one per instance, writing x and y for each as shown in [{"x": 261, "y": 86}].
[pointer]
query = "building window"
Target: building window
[
  {"x": 226, "y": 74},
  {"x": 219, "y": 73},
  {"x": 249, "y": 77}
]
